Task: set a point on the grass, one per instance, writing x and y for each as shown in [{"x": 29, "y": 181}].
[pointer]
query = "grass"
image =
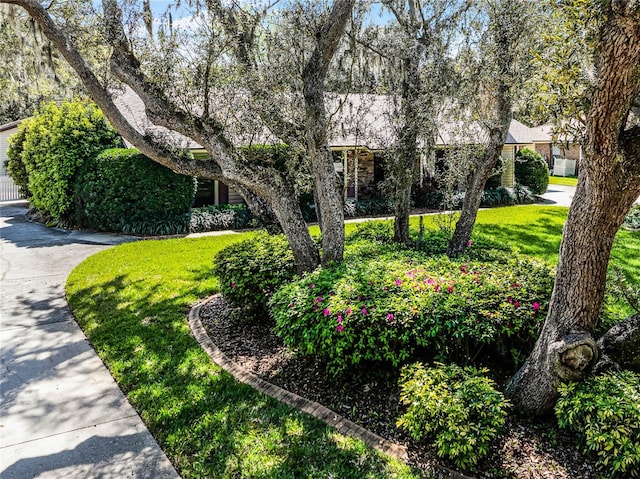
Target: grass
[
  {"x": 132, "y": 302},
  {"x": 563, "y": 180}
]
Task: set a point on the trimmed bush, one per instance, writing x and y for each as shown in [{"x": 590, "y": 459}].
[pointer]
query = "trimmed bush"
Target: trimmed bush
[
  {"x": 387, "y": 307},
  {"x": 459, "y": 408},
  {"x": 58, "y": 140},
  {"x": 532, "y": 171},
  {"x": 123, "y": 190},
  {"x": 251, "y": 270},
  {"x": 221, "y": 217},
  {"x": 14, "y": 165},
  {"x": 604, "y": 411}
]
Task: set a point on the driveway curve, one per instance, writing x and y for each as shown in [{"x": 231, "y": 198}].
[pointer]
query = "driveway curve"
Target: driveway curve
[{"x": 61, "y": 412}]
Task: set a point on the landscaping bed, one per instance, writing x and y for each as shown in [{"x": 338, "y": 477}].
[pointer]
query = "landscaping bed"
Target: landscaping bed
[{"x": 370, "y": 398}]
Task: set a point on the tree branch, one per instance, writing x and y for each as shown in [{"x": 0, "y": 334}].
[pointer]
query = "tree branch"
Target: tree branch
[{"x": 162, "y": 153}]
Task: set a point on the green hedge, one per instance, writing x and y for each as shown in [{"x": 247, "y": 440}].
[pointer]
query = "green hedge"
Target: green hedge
[
  {"x": 58, "y": 141},
  {"x": 123, "y": 190},
  {"x": 532, "y": 171},
  {"x": 389, "y": 307}
]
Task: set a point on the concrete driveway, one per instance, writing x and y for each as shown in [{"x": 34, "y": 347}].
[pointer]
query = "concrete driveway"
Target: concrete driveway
[{"x": 61, "y": 412}]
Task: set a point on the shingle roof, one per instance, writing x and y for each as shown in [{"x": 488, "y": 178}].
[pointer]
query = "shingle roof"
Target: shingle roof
[{"x": 355, "y": 120}]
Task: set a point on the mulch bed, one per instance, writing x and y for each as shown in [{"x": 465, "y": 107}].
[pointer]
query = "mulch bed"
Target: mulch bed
[{"x": 370, "y": 397}]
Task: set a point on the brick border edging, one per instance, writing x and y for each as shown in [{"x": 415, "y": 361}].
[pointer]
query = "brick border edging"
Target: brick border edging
[{"x": 313, "y": 408}]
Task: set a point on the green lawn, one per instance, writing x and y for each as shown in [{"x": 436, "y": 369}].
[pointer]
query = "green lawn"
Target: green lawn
[
  {"x": 132, "y": 302},
  {"x": 563, "y": 180}
]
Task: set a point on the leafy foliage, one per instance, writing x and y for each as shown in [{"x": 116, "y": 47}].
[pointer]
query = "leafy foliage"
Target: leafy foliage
[
  {"x": 632, "y": 220},
  {"x": 604, "y": 411},
  {"x": 58, "y": 140},
  {"x": 532, "y": 171},
  {"x": 251, "y": 270},
  {"x": 123, "y": 190},
  {"x": 388, "y": 307},
  {"x": 221, "y": 217},
  {"x": 458, "y": 408},
  {"x": 14, "y": 164}
]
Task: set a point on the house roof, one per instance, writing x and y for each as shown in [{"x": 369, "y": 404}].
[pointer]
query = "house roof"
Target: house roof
[{"x": 354, "y": 120}]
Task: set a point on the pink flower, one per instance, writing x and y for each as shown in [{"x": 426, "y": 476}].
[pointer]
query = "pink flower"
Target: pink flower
[
  {"x": 430, "y": 281},
  {"x": 450, "y": 289},
  {"x": 463, "y": 269},
  {"x": 398, "y": 282},
  {"x": 340, "y": 328},
  {"x": 390, "y": 317},
  {"x": 332, "y": 293},
  {"x": 509, "y": 300},
  {"x": 327, "y": 312},
  {"x": 364, "y": 311},
  {"x": 516, "y": 304},
  {"x": 536, "y": 306},
  {"x": 437, "y": 288},
  {"x": 469, "y": 243},
  {"x": 385, "y": 289},
  {"x": 319, "y": 299},
  {"x": 310, "y": 285},
  {"x": 348, "y": 311},
  {"x": 339, "y": 318},
  {"x": 291, "y": 305},
  {"x": 233, "y": 285}
]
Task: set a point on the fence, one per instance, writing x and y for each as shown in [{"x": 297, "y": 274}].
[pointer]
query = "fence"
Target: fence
[{"x": 8, "y": 189}]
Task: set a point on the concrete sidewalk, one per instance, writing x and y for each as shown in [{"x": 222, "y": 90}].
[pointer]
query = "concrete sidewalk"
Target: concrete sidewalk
[{"x": 61, "y": 412}]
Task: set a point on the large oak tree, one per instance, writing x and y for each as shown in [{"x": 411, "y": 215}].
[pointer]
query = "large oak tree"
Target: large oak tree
[
  {"x": 179, "y": 98},
  {"x": 608, "y": 184}
]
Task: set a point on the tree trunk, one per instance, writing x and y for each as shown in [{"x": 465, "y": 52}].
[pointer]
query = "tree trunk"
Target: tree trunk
[
  {"x": 609, "y": 183},
  {"x": 479, "y": 176},
  {"x": 620, "y": 346},
  {"x": 566, "y": 349},
  {"x": 329, "y": 203},
  {"x": 405, "y": 167}
]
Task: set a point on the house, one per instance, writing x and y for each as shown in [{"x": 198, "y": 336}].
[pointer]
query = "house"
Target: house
[
  {"x": 562, "y": 154},
  {"x": 361, "y": 130},
  {"x": 8, "y": 189}
]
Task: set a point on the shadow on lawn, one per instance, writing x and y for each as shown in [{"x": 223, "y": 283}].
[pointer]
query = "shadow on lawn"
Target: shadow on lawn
[{"x": 209, "y": 424}]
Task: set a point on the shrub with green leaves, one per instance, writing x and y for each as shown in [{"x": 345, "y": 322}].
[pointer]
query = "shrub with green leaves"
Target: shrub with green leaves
[
  {"x": 58, "y": 140},
  {"x": 604, "y": 411},
  {"x": 251, "y": 270},
  {"x": 458, "y": 408},
  {"x": 532, "y": 171},
  {"x": 221, "y": 217},
  {"x": 123, "y": 190},
  {"x": 632, "y": 220},
  {"x": 388, "y": 307}
]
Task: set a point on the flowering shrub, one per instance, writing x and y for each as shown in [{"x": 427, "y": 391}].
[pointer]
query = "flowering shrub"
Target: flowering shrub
[
  {"x": 250, "y": 271},
  {"x": 604, "y": 411},
  {"x": 388, "y": 307},
  {"x": 458, "y": 407}
]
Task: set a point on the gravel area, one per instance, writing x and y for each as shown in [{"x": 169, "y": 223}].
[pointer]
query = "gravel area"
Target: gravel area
[{"x": 369, "y": 397}]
